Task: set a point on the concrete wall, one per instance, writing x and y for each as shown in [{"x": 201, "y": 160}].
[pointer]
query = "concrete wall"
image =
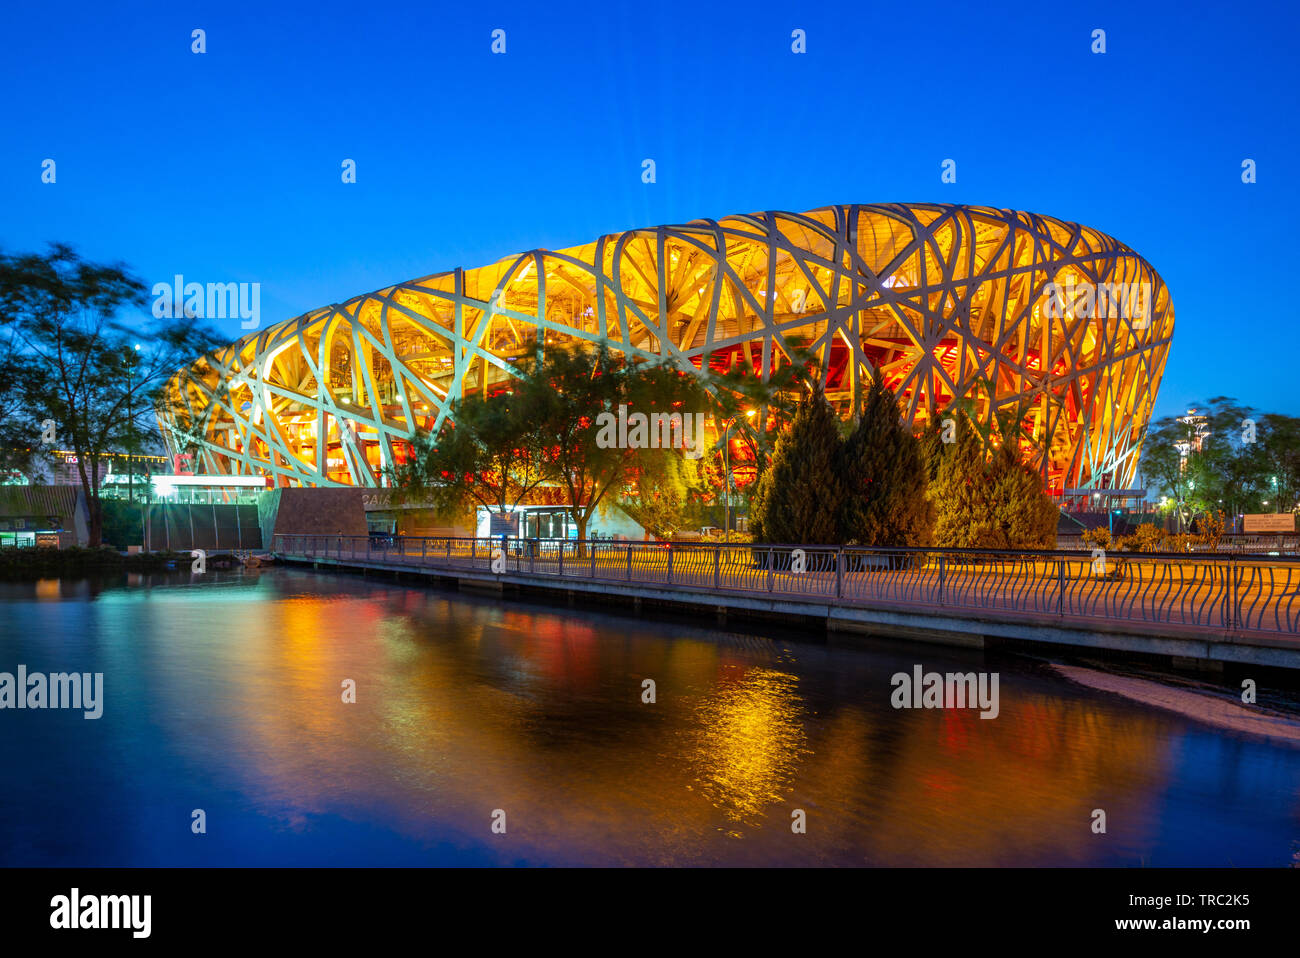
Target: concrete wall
[
  {"x": 322, "y": 512},
  {"x": 614, "y": 523}
]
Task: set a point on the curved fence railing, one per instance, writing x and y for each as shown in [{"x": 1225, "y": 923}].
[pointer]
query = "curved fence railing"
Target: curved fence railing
[
  {"x": 1238, "y": 593},
  {"x": 1237, "y": 543}
]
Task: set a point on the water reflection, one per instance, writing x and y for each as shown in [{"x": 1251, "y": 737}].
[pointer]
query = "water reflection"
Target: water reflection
[
  {"x": 226, "y": 693},
  {"x": 748, "y": 739}
]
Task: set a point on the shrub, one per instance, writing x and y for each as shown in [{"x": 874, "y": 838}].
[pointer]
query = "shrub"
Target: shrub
[
  {"x": 983, "y": 504},
  {"x": 42, "y": 563},
  {"x": 1098, "y": 537},
  {"x": 1146, "y": 538}
]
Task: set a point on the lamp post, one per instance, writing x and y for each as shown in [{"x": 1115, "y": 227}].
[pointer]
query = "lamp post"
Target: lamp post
[
  {"x": 726, "y": 478},
  {"x": 130, "y": 425}
]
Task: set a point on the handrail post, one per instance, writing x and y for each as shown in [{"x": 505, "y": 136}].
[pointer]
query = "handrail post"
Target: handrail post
[
  {"x": 424, "y": 549},
  {"x": 839, "y": 572},
  {"x": 1060, "y": 587},
  {"x": 628, "y": 547},
  {"x": 717, "y": 567},
  {"x": 771, "y": 565},
  {"x": 562, "y": 541},
  {"x": 1232, "y": 594},
  {"x": 670, "y": 563},
  {"x": 1225, "y": 612},
  {"x": 941, "y": 575},
  {"x": 473, "y": 551},
  {"x": 592, "y": 546}
]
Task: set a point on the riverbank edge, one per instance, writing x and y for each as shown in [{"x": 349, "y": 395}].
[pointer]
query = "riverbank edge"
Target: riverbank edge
[
  {"x": 1180, "y": 647},
  {"x": 32, "y": 563}
]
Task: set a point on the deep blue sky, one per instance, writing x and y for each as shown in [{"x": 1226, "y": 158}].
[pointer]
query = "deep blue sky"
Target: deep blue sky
[{"x": 225, "y": 167}]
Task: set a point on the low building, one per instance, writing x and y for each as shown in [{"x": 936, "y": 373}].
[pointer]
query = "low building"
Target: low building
[{"x": 47, "y": 516}]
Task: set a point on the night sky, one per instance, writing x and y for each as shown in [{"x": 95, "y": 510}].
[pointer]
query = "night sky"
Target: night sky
[{"x": 225, "y": 166}]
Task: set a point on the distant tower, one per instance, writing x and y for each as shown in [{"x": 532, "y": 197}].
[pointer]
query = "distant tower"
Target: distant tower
[{"x": 1198, "y": 431}]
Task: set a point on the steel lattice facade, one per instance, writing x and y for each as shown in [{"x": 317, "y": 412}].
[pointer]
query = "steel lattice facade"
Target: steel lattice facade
[{"x": 950, "y": 303}]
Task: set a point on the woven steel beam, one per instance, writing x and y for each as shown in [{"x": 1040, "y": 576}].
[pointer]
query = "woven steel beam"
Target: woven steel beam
[{"x": 950, "y": 303}]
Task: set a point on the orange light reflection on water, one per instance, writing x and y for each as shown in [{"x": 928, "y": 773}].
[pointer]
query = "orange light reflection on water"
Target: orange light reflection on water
[{"x": 462, "y": 709}]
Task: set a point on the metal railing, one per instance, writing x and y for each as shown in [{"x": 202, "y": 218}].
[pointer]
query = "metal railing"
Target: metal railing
[
  {"x": 1221, "y": 593},
  {"x": 1239, "y": 543}
]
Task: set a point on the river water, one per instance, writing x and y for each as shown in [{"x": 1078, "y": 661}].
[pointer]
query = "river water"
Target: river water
[{"x": 225, "y": 693}]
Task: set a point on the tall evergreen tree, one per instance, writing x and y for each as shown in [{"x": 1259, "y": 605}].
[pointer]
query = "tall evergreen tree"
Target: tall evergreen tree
[
  {"x": 886, "y": 477},
  {"x": 984, "y": 503},
  {"x": 931, "y": 444},
  {"x": 800, "y": 496},
  {"x": 1024, "y": 516},
  {"x": 959, "y": 493}
]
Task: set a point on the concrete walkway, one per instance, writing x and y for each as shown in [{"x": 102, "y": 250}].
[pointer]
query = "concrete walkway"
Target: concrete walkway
[{"x": 1214, "y": 610}]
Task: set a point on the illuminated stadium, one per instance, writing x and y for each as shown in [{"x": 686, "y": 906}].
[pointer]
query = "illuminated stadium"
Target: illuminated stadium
[{"x": 953, "y": 304}]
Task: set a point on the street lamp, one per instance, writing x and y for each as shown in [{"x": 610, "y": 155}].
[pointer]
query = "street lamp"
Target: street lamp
[{"x": 130, "y": 426}]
